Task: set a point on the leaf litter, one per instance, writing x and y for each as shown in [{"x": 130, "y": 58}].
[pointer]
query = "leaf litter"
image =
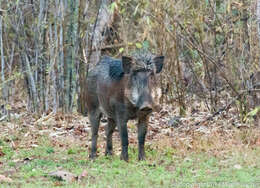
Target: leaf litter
[{"x": 166, "y": 129}]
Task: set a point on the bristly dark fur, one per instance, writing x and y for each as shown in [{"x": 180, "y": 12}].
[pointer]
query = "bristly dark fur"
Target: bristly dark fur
[
  {"x": 115, "y": 67},
  {"x": 143, "y": 56},
  {"x": 143, "y": 59},
  {"x": 115, "y": 70}
]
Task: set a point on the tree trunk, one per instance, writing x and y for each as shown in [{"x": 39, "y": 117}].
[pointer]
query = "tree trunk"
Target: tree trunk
[
  {"x": 103, "y": 19},
  {"x": 40, "y": 51},
  {"x": 30, "y": 83},
  {"x": 60, "y": 77},
  {"x": 71, "y": 61},
  {"x": 258, "y": 22},
  {"x": 3, "y": 85},
  {"x": 93, "y": 51},
  {"x": 82, "y": 65},
  {"x": 33, "y": 102}
]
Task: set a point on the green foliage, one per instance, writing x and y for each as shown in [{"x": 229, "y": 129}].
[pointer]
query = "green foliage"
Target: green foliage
[
  {"x": 112, "y": 7},
  {"x": 50, "y": 150},
  {"x": 146, "y": 44},
  {"x": 121, "y": 50},
  {"x": 71, "y": 151},
  {"x": 6, "y": 150},
  {"x": 138, "y": 45},
  {"x": 252, "y": 113}
]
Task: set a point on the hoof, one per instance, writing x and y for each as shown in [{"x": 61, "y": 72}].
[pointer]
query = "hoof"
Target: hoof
[
  {"x": 93, "y": 156},
  {"x": 108, "y": 153},
  {"x": 141, "y": 158},
  {"x": 124, "y": 157}
]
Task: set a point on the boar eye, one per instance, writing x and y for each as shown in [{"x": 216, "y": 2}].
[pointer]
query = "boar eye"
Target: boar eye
[
  {"x": 152, "y": 76},
  {"x": 151, "y": 73}
]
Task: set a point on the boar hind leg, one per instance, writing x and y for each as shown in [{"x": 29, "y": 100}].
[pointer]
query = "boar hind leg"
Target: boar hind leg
[
  {"x": 94, "y": 117},
  {"x": 142, "y": 129},
  {"x": 109, "y": 132}
]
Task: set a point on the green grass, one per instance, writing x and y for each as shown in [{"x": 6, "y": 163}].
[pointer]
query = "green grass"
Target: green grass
[{"x": 163, "y": 168}]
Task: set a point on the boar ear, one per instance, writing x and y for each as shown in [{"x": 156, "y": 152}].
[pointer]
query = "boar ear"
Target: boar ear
[
  {"x": 158, "y": 62},
  {"x": 127, "y": 64}
]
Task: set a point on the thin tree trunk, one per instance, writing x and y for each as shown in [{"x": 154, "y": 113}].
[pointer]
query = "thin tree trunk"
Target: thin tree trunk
[
  {"x": 258, "y": 23},
  {"x": 104, "y": 18},
  {"x": 83, "y": 66},
  {"x": 40, "y": 50},
  {"x": 52, "y": 76},
  {"x": 4, "y": 89},
  {"x": 93, "y": 52},
  {"x": 26, "y": 66},
  {"x": 11, "y": 89},
  {"x": 60, "y": 5},
  {"x": 70, "y": 73},
  {"x": 31, "y": 82},
  {"x": 246, "y": 43}
]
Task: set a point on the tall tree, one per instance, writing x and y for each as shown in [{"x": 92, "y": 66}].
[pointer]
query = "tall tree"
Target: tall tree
[
  {"x": 93, "y": 46},
  {"x": 4, "y": 89},
  {"x": 72, "y": 48},
  {"x": 258, "y": 22},
  {"x": 103, "y": 19}
]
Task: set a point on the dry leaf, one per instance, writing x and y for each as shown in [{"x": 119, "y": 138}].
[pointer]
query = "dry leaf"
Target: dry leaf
[
  {"x": 83, "y": 175},
  {"x": 4, "y": 179},
  {"x": 258, "y": 142}
]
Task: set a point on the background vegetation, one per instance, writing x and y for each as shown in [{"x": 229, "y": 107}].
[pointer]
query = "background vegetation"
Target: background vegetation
[
  {"x": 47, "y": 46},
  {"x": 210, "y": 84}
]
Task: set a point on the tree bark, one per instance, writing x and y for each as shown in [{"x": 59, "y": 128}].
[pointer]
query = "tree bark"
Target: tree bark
[
  {"x": 40, "y": 51},
  {"x": 93, "y": 50},
  {"x": 33, "y": 102},
  {"x": 258, "y": 23},
  {"x": 71, "y": 61},
  {"x": 3, "y": 85},
  {"x": 30, "y": 83},
  {"x": 103, "y": 19},
  {"x": 60, "y": 77},
  {"x": 82, "y": 64}
]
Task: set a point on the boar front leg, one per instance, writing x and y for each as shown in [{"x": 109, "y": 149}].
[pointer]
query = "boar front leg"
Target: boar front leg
[{"x": 142, "y": 129}]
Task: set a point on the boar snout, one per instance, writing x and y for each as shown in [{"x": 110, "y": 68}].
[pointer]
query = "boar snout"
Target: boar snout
[{"x": 146, "y": 107}]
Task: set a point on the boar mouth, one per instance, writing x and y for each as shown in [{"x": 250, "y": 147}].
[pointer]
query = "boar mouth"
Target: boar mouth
[{"x": 146, "y": 110}]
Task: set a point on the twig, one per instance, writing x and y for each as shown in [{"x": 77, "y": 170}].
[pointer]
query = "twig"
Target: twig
[
  {"x": 109, "y": 47},
  {"x": 3, "y": 118},
  {"x": 220, "y": 110}
]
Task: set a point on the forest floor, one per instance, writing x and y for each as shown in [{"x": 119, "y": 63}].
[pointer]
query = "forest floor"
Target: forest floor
[{"x": 53, "y": 150}]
